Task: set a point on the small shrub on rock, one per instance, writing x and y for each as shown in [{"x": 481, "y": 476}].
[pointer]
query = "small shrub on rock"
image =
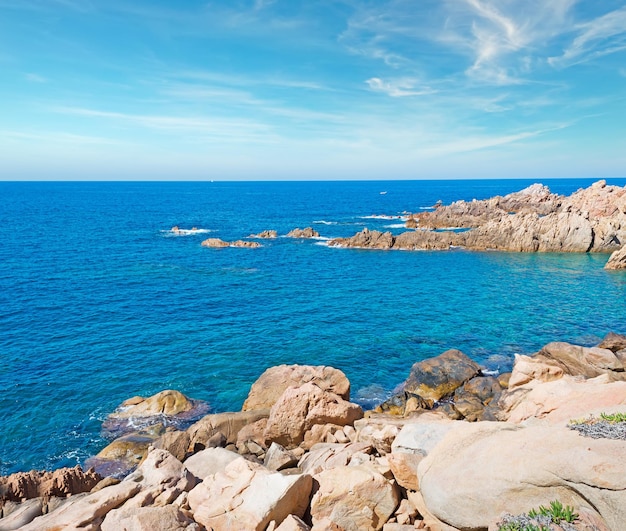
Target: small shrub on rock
[
  {"x": 608, "y": 426},
  {"x": 541, "y": 519}
]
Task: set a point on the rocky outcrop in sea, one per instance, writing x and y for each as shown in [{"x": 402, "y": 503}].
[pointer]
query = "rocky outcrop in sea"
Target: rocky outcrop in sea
[
  {"x": 531, "y": 220},
  {"x": 453, "y": 449}
]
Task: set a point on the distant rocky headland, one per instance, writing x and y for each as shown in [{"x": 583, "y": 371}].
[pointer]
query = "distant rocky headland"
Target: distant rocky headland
[
  {"x": 531, "y": 220},
  {"x": 591, "y": 220},
  {"x": 453, "y": 449}
]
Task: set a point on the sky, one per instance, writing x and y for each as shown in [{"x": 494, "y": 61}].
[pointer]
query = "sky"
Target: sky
[{"x": 318, "y": 89}]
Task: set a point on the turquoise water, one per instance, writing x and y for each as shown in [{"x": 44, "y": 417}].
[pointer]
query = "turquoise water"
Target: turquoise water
[{"x": 99, "y": 302}]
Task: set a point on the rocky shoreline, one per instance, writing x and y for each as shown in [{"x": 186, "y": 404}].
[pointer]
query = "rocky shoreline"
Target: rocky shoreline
[
  {"x": 454, "y": 449},
  {"x": 531, "y": 220}
]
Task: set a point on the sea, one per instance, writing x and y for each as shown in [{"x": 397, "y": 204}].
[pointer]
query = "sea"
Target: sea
[{"x": 100, "y": 301}]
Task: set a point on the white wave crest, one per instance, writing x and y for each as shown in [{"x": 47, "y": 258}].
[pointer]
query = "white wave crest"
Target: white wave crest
[
  {"x": 175, "y": 231},
  {"x": 380, "y": 216}
]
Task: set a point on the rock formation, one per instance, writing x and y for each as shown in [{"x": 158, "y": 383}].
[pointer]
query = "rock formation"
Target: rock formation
[
  {"x": 617, "y": 260},
  {"x": 217, "y": 243},
  {"x": 266, "y": 234},
  {"x": 33, "y": 484},
  {"x": 532, "y": 220},
  {"x": 274, "y": 381},
  {"x": 303, "y": 233},
  {"x": 302, "y": 457},
  {"x": 214, "y": 242}
]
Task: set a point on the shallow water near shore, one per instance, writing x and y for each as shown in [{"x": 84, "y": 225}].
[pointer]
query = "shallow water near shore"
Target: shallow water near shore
[{"x": 100, "y": 301}]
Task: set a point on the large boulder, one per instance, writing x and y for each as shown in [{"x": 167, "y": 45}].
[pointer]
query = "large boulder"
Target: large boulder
[
  {"x": 437, "y": 377},
  {"x": 175, "y": 442},
  {"x": 14, "y": 515},
  {"x": 300, "y": 408},
  {"x": 422, "y": 436},
  {"x": 354, "y": 498},
  {"x": 414, "y": 442},
  {"x": 558, "y": 401},
  {"x": 228, "y": 424},
  {"x": 614, "y": 342},
  {"x": 210, "y": 461},
  {"x": 471, "y": 399},
  {"x": 274, "y": 381},
  {"x": 84, "y": 511},
  {"x": 324, "y": 456},
  {"x": 581, "y": 361},
  {"x": 166, "y": 518},
  {"x": 247, "y": 496},
  {"x": 62, "y": 482},
  {"x": 481, "y": 470},
  {"x": 162, "y": 479},
  {"x": 279, "y": 458},
  {"x": 122, "y": 455}
]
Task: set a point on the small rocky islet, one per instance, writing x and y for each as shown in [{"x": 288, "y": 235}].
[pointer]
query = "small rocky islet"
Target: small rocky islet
[{"x": 453, "y": 449}]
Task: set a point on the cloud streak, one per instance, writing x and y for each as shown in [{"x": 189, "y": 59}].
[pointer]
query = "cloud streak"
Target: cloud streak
[
  {"x": 231, "y": 128},
  {"x": 398, "y": 88},
  {"x": 601, "y": 36}
]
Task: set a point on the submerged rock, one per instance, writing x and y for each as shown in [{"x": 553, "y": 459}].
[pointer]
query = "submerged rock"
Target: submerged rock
[
  {"x": 169, "y": 408},
  {"x": 122, "y": 455}
]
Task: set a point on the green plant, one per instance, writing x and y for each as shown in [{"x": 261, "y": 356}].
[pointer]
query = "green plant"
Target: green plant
[
  {"x": 578, "y": 422},
  {"x": 613, "y": 418},
  {"x": 514, "y": 526},
  {"x": 556, "y": 512}
]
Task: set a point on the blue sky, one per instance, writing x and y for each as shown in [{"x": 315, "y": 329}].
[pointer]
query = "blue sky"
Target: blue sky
[{"x": 327, "y": 89}]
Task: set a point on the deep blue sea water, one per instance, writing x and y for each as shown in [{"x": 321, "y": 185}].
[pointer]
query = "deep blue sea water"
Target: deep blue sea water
[{"x": 99, "y": 302}]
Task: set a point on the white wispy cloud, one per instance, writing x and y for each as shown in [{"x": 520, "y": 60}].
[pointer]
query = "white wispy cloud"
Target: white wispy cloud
[
  {"x": 480, "y": 142},
  {"x": 218, "y": 126},
  {"x": 503, "y": 37},
  {"x": 601, "y": 36},
  {"x": 241, "y": 80},
  {"x": 398, "y": 88}
]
